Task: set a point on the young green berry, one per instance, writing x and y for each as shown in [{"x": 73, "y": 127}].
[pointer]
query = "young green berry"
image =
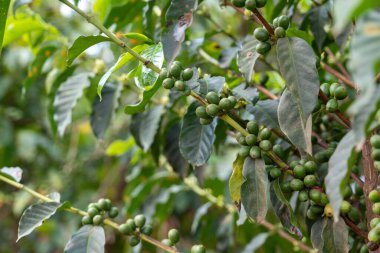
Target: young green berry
[
  {"x": 293, "y": 164},
  {"x": 279, "y": 32},
  {"x": 97, "y": 220},
  {"x": 311, "y": 215},
  {"x": 212, "y": 110},
  {"x": 238, "y": 3},
  {"x": 167, "y": 242},
  {"x": 92, "y": 205},
  {"x": 187, "y": 74},
  {"x": 131, "y": 223},
  {"x": 296, "y": 184},
  {"x": 225, "y": 104},
  {"x": 212, "y": 97},
  {"x": 173, "y": 235},
  {"x": 376, "y": 164},
  {"x": 374, "y": 196},
  {"x": 285, "y": 187},
  {"x": 92, "y": 211},
  {"x": 253, "y": 127},
  {"x": 164, "y": 73},
  {"x": 303, "y": 196},
  {"x": 332, "y": 105},
  {"x": 104, "y": 204},
  {"x": 324, "y": 199},
  {"x": 250, "y": 5},
  {"x": 139, "y": 220},
  {"x": 180, "y": 85},
  {"x": 260, "y": 3},
  {"x": 126, "y": 229},
  {"x": 354, "y": 215},
  {"x": 261, "y": 34},
  {"x": 205, "y": 121},
  {"x": 114, "y": 212},
  {"x": 255, "y": 152},
  {"x": 187, "y": 91},
  {"x": 340, "y": 93},
  {"x": 265, "y": 145},
  {"x": 147, "y": 230},
  {"x": 321, "y": 157},
  {"x": 233, "y": 101},
  {"x": 345, "y": 207},
  {"x": 278, "y": 150},
  {"x": 251, "y": 139},
  {"x": 325, "y": 88},
  {"x": 275, "y": 22},
  {"x": 332, "y": 88},
  {"x": 284, "y": 21},
  {"x": 265, "y": 134},
  {"x": 374, "y": 222},
  {"x": 310, "y": 167},
  {"x": 201, "y": 112},
  {"x": 374, "y": 235},
  {"x": 175, "y": 70},
  {"x": 375, "y": 154},
  {"x": 134, "y": 240},
  {"x": 318, "y": 210},
  {"x": 315, "y": 195},
  {"x": 275, "y": 173},
  {"x": 310, "y": 181},
  {"x": 263, "y": 47},
  {"x": 375, "y": 141},
  {"x": 86, "y": 220},
  {"x": 241, "y": 139},
  {"x": 168, "y": 83},
  {"x": 244, "y": 151},
  {"x": 299, "y": 172},
  {"x": 198, "y": 249}
]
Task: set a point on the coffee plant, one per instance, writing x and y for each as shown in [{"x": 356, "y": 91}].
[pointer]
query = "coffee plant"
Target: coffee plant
[{"x": 190, "y": 126}]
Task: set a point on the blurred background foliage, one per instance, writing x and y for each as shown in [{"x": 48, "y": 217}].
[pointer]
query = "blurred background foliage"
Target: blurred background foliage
[{"x": 84, "y": 167}]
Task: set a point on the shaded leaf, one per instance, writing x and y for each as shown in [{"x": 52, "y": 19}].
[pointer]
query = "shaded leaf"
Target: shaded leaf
[
  {"x": 226, "y": 57},
  {"x": 195, "y": 141},
  {"x": 316, "y": 234},
  {"x": 15, "y": 173},
  {"x": 144, "y": 126},
  {"x": 155, "y": 55},
  {"x": 88, "y": 239},
  {"x": 249, "y": 94},
  {"x": 4, "y": 6},
  {"x": 265, "y": 112},
  {"x": 201, "y": 211},
  {"x": 256, "y": 243},
  {"x": 34, "y": 216},
  {"x": 81, "y": 44},
  {"x": 254, "y": 190},
  {"x": 147, "y": 95},
  {"x": 66, "y": 98},
  {"x": 247, "y": 57},
  {"x": 172, "y": 152},
  {"x": 335, "y": 236},
  {"x": 339, "y": 170},
  {"x": 318, "y": 21},
  {"x": 236, "y": 180},
  {"x": 208, "y": 84}
]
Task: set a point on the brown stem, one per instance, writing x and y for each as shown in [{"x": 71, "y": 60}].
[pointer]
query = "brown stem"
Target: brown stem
[
  {"x": 345, "y": 121},
  {"x": 263, "y": 21},
  {"x": 339, "y": 75},
  {"x": 266, "y": 92},
  {"x": 241, "y": 11},
  {"x": 355, "y": 228},
  {"x": 338, "y": 64},
  {"x": 357, "y": 180}
]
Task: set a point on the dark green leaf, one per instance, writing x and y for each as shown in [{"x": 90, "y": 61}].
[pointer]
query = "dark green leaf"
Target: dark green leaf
[
  {"x": 81, "y": 44},
  {"x": 340, "y": 165},
  {"x": 318, "y": 20},
  {"x": 144, "y": 126},
  {"x": 265, "y": 112},
  {"x": 256, "y": 243},
  {"x": 247, "y": 57},
  {"x": 88, "y": 239},
  {"x": 335, "y": 236},
  {"x": 147, "y": 95},
  {"x": 34, "y": 216},
  {"x": 172, "y": 152},
  {"x": 4, "y": 5},
  {"x": 196, "y": 140},
  {"x": 255, "y": 189}
]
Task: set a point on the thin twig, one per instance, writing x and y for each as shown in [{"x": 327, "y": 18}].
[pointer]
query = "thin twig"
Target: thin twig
[
  {"x": 338, "y": 64},
  {"x": 339, "y": 76},
  {"x": 266, "y": 92},
  {"x": 345, "y": 121},
  {"x": 355, "y": 228}
]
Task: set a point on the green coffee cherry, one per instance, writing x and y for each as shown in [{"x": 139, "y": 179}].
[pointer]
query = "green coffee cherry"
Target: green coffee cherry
[
  {"x": 139, "y": 220},
  {"x": 364, "y": 249},
  {"x": 310, "y": 181},
  {"x": 265, "y": 145},
  {"x": 296, "y": 184},
  {"x": 114, "y": 212},
  {"x": 97, "y": 220},
  {"x": 104, "y": 204},
  {"x": 253, "y": 127},
  {"x": 325, "y": 87},
  {"x": 187, "y": 91},
  {"x": 198, "y": 249},
  {"x": 374, "y": 222},
  {"x": 225, "y": 104},
  {"x": 324, "y": 199},
  {"x": 311, "y": 215},
  {"x": 285, "y": 187},
  {"x": 345, "y": 207},
  {"x": 340, "y": 93},
  {"x": 180, "y": 85},
  {"x": 92, "y": 205},
  {"x": 175, "y": 70},
  {"x": 187, "y": 74},
  {"x": 173, "y": 235},
  {"x": 86, "y": 220},
  {"x": 238, "y": 3},
  {"x": 251, "y": 139},
  {"x": 375, "y": 154},
  {"x": 126, "y": 229},
  {"x": 374, "y": 196},
  {"x": 201, "y": 112},
  {"x": 275, "y": 22},
  {"x": 131, "y": 223},
  {"x": 233, "y": 101},
  {"x": 374, "y": 235},
  {"x": 279, "y": 32},
  {"x": 168, "y": 83},
  {"x": 212, "y": 110},
  {"x": 278, "y": 150},
  {"x": 332, "y": 88},
  {"x": 315, "y": 195},
  {"x": 303, "y": 196},
  {"x": 332, "y": 105},
  {"x": 164, "y": 73},
  {"x": 310, "y": 167},
  {"x": 205, "y": 121},
  {"x": 265, "y": 134},
  {"x": 250, "y": 5},
  {"x": 375, "y": 141},
  {"x": 147, "y": 230},
  {"x": 255, "y": 152},
  {"x": 261, "y": 34},
  {"x": 260, "y": 3},
  {"x": 167, "y": 242},
  {"x": 293, "y": 164},
  {"x": 354, "y": 215},
  {"x": 318, "y": 210},
  {"x": 376, "y": 164},
  {"x": 275, "y": 173},
  {"x": 321, "y": 157},
  {"x": 263, "y": 47},
  {"x": 92, "y": 211},
  {"x": 212, "y": 97},
  {"x": 284, "y": 21},
  {"x": 134, "y": 240},
  {"x": 244, "y": 151},
  {"x": 241, "y": 139},
  {"x": 299, "y": 172}
]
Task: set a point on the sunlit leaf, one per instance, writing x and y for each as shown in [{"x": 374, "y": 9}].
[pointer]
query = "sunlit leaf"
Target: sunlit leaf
[{"x": 4, "y": 5}]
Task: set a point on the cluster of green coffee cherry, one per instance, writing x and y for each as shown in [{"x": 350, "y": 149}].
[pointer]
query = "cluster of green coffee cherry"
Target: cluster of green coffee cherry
[
  {"x": 132, "y": 226},
  {"x": 334, "y": 92},
  {"x": 97, "y": 212},
  {"x": 375, "y": 143},
  {"x": 216, "y": 106},
  {"x": 374, "y": 233},
  {"x": 249, "y": 4},
  {"x": 176, "y": 77}
]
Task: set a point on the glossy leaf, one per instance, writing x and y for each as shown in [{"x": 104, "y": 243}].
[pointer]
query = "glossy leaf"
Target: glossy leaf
[
  {"x": 81, "y": 44},
  {"x": 66, "y": 98},
  {"x": 265, "y": 112},
  {"x": 34, "y": 216},
  {"x": 247, "y": 57},
  {"x": 257, "y": 242},
  {"x": 14, "y": 173},
  {"x": 236, "y": 180},
  {"x": 147, "y": 95},
  {"x": 155, "y": 55},
  {"x": 88, "y": 239},
  {"x": 339, "y": 170},
  {"x": 195, "y": 141},
  {"x": 4, "y": 6},
  {"x": 255, "y": 189},
  {"x": 172, "y": 151}
]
